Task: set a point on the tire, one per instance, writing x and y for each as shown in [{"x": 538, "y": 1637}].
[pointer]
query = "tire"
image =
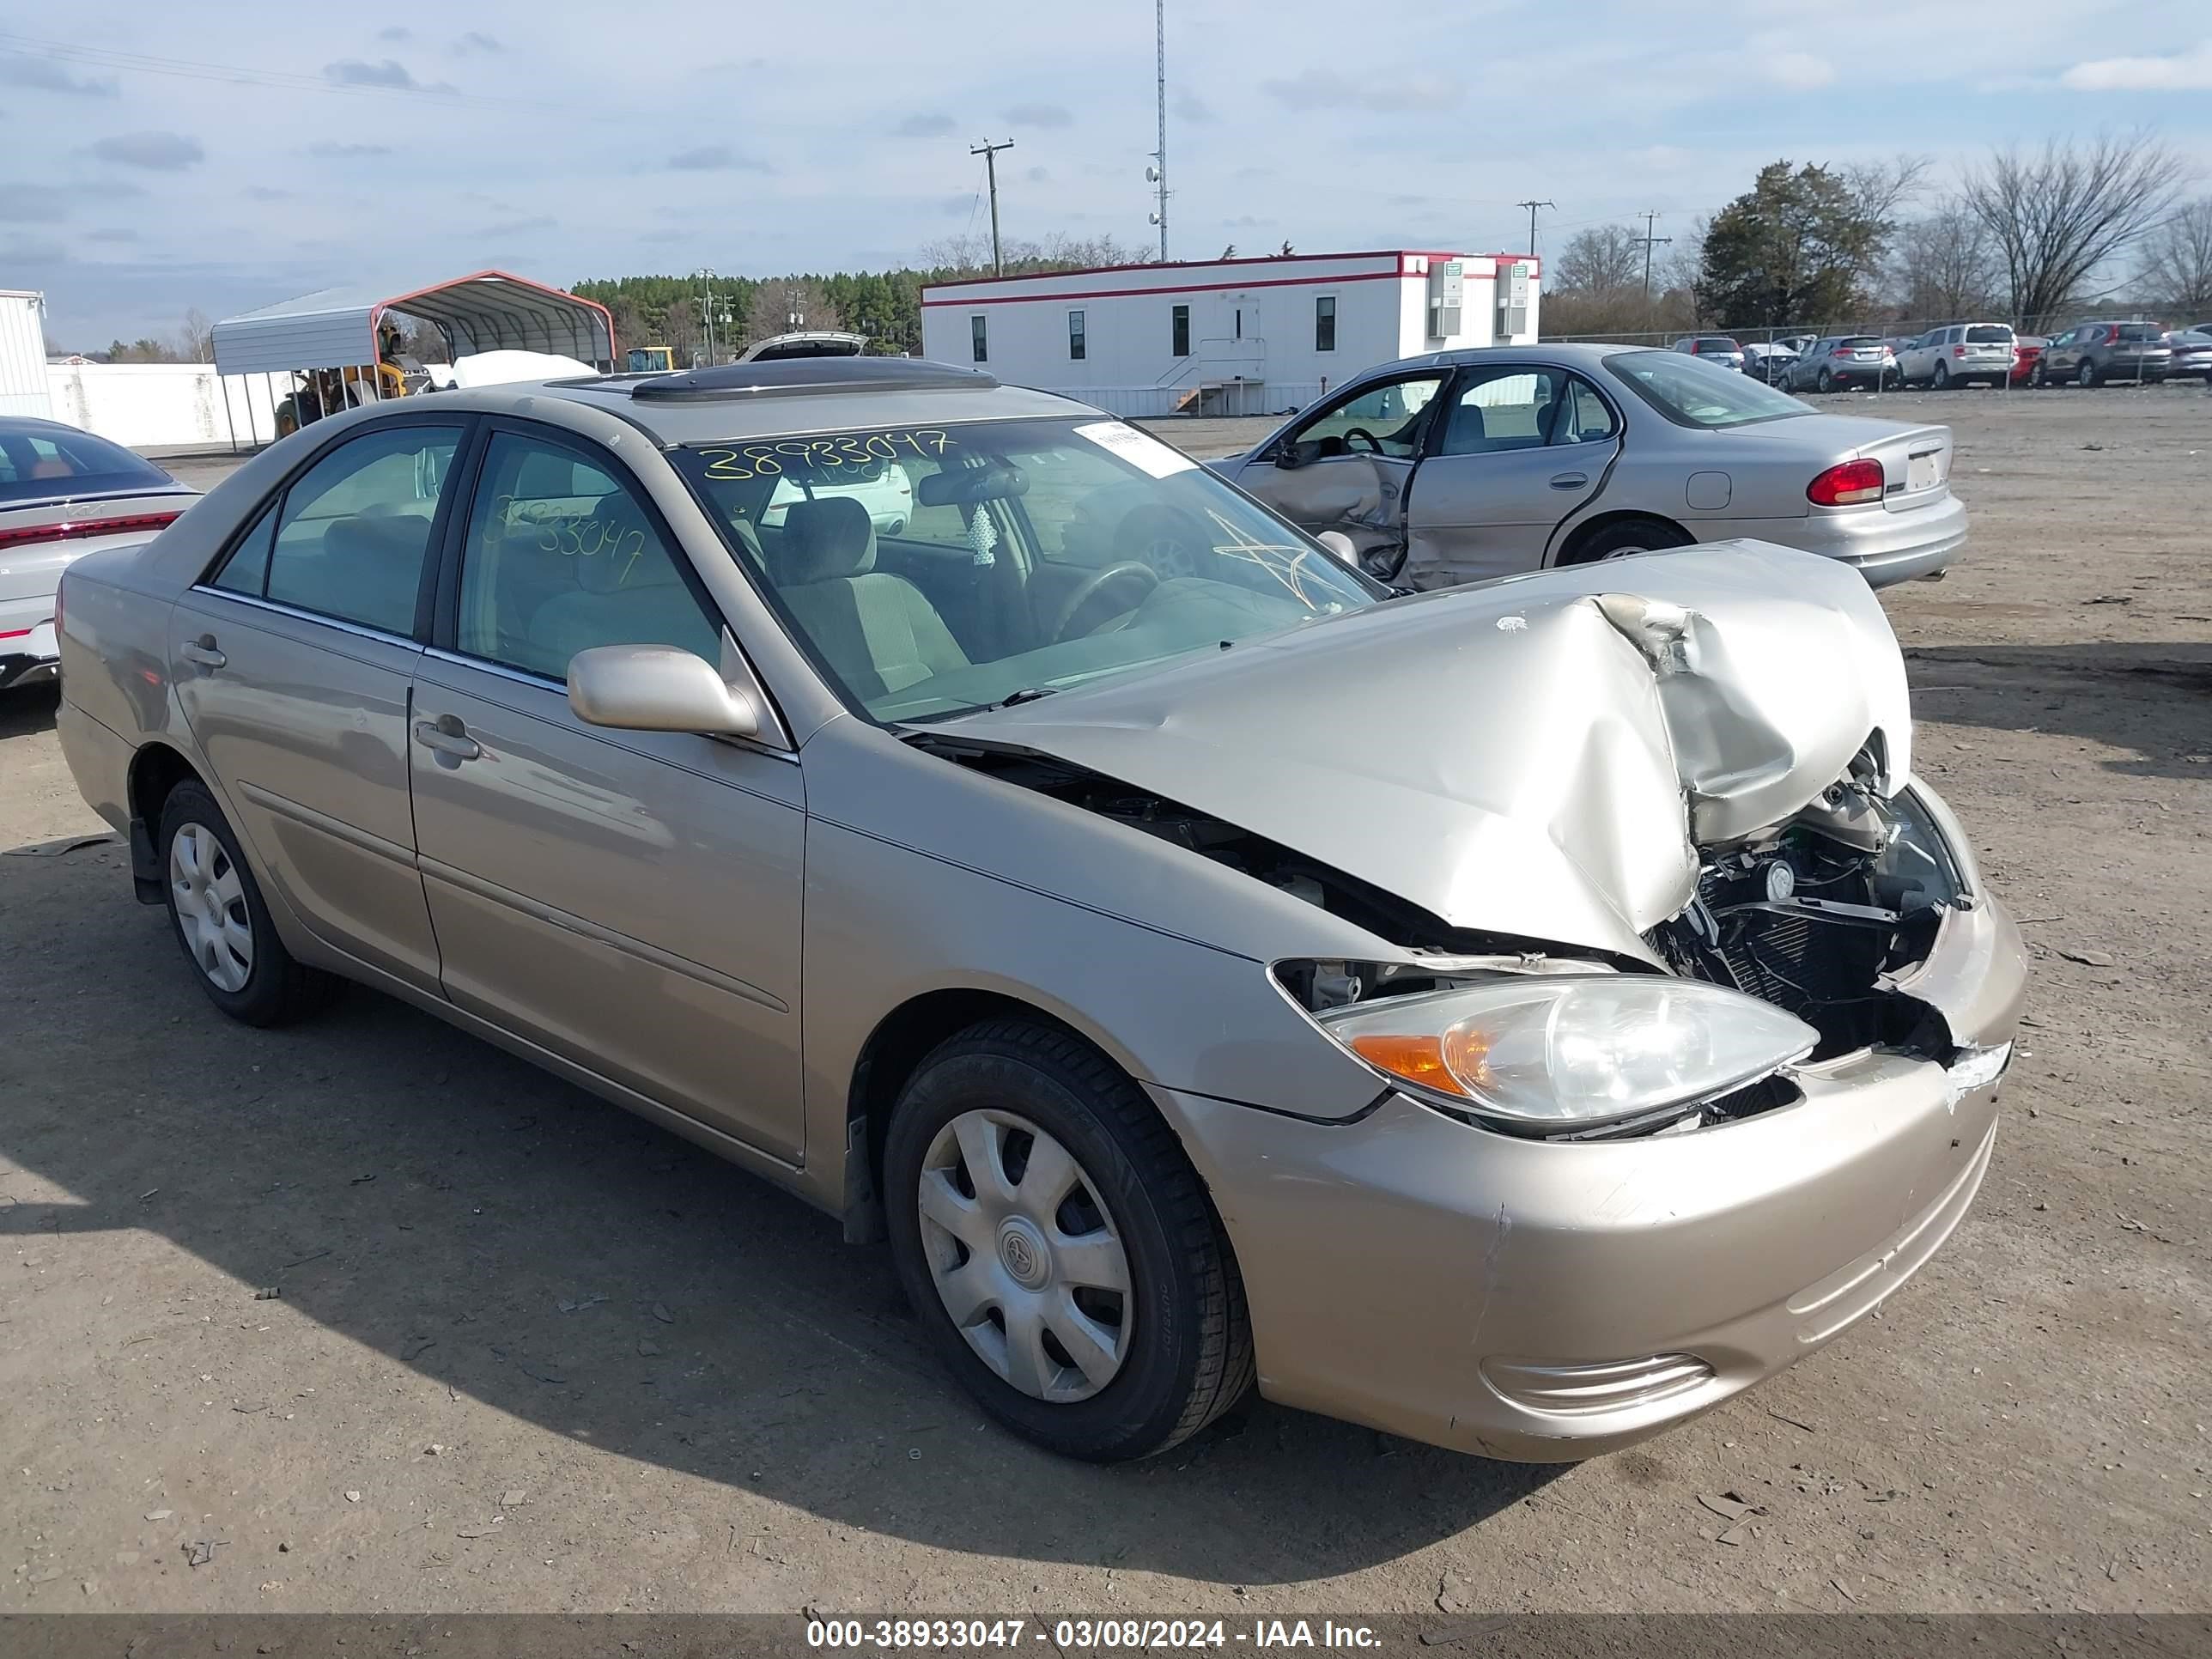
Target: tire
[
  {"x": 221, "y": 923},
  {"x": 1941, "y": 379},
  {"x": 1625, "y": 537},
  {"x": 1824, "y": 381},
  {"x": 2088, "y": 374},
  {"x": 1182, "y": 1342},
  {"x": 2036, "y": 377}
]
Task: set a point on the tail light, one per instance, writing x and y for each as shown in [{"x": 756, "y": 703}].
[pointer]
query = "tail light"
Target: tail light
[
  {"x": 1839, "y": 351},
  {"x": 78, "y": 529},
  {"x": 1846, "y": 484},
  {"x": 1957, "y": 351},
  {"x": 2113, "y": 335}
]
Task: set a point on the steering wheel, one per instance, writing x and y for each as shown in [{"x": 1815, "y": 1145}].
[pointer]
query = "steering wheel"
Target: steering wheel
[
  {"x": 1374, "y": 444},
  {"x": 1126, "y": 573}
]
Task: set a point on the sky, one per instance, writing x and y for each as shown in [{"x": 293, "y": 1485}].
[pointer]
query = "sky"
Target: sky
[{"x": 228, "y": 154}]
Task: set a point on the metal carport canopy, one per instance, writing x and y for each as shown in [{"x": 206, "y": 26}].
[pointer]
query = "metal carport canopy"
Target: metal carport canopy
[{"x": 485, "y": 310}]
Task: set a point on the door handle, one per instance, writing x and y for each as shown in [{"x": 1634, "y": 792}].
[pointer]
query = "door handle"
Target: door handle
[
  {"x": 447, "y": 736},
  {"x": 1570, "y": 481},
  {"x": 203, "y": 652}
]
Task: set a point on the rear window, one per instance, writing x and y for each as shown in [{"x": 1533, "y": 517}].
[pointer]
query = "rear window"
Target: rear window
[
  {"x": 1987, "y": 334},
  {"x": 43, "y": 463},
  {"x": 1692, "y": 393},
  {"x": 1856, "y": 340},
  {"x": 1718, "y": 343},
  {"x": 2140, "y": 332}
]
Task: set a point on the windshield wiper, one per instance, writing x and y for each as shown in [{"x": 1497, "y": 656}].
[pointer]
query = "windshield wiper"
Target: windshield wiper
[{"x": 1027, "y": 694}]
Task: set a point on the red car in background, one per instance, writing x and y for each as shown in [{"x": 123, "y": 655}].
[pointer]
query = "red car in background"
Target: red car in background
[{"x": 2025, "y": 351}]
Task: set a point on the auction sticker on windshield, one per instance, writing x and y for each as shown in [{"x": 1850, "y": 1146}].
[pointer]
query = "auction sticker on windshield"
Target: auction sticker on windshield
[{"x": 1144, "y": 452}]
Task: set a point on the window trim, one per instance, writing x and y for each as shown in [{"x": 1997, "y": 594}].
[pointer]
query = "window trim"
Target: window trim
[
  {"x": 469, "y": 424},
  {"x": 1079, "y": 340},
  {"x": 444, "y": 632},
  {"x": 1328, "y": 300},
  {"x": 979, "y": 336},
  {"x": 1179, "y": 330}
]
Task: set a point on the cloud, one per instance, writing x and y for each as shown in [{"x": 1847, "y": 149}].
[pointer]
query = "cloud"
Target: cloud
[
  {"x": 1800, "y": 71},
  {"x": 30, "y": 204},
  {"x": 1041, "y": 115},
  {"x": 2185, "y": 71},
  {"x": 395, "y": 34},
  {"x": 42, "y": 75},
  {"x": 328, "y": 151},
  {"x": 35, "y": 254},
  {"x": 157, "y": 152},
  {"x": 1319, "y": 89},
  {"x": 113, "y": 233},
  {"x": 1189, "y": 107},
  {"x": 925, "y": 126},
  {"x": 356, "y": 72},
  {"x": 1038, "y": 176},
  {"x": 476, "y": 40},
  {"x": 267, "y": 193},
  {"x": 519, "y": 226},
  {"x": 716, "y": 158}
]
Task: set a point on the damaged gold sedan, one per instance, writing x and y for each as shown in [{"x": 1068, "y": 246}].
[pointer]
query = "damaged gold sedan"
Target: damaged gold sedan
[{"x": 1518, "y": 1016}]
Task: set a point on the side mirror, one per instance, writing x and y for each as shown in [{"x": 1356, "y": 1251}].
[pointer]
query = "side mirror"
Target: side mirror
[
  {"x": 657, "y": 688},
  {"x": 1286, "y": 456},
  {"x": 1340, "y": 545}
]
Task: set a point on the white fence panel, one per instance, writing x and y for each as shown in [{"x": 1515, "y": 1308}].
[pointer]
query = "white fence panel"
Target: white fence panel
[{"x": 156, "y": 405}]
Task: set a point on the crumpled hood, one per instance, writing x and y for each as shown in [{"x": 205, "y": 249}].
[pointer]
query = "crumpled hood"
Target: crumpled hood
[{"x": 1538, "y": 756}]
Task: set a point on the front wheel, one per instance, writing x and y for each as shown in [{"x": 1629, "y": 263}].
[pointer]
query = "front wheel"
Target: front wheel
[
  {"x": 220, "y": 922},
  {"x": 1058, "y": 1247},
  {"x": 1941, "y": 381},
  {"x": 2087, "y": 375},
  {"x": 1826, "y": 382}
]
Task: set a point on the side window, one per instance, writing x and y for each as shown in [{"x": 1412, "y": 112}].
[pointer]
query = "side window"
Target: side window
[
  {"x": 1387, "y": 420},
  {"x": 1075, "y": 341},
  {"x": 979, "y": 339},
  {"x": 1325, "y": 323},
  {"x": 1506, "y": 408},
  {"x": 1179, "y": 346},
  {"x": 247, "y": 569},
  {"x": 560, "y": 557},
  {"x": 354, "y": 530},
  {"x": 1583, "y": 417}
]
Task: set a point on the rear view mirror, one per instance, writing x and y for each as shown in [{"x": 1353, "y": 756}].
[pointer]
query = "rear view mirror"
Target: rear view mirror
[
  {"x": 657, "y": 688},
  {"x": 967, "y": 486}
]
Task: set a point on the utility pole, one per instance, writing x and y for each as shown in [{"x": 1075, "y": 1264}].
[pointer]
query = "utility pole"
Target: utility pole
[
  {"x": 1532, "y": 207},
  {"x": 707, "y": 310},
  {"x": 989, "y": 152},
  {"x": 1648, "y": 241}
]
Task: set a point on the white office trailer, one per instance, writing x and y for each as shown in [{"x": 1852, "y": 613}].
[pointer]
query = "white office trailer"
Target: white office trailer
[
  {"x": 23, "y": 353},
  {"x": 1227, "y": 337}
]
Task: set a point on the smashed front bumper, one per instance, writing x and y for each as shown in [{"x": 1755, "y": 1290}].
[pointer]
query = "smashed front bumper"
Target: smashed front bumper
[{"x": 1545, "y": 1301}]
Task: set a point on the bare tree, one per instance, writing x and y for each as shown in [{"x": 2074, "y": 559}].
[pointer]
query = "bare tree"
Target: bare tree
[
  {"x": 195, "y": 339},
  {"x": 2177, "y": 264},
  {"x": 1944, "y": 267},
  {"x": 1601, "y": 259},
  {"x": 785, "y": 304},
  {"x": 2055, "y": 216},
  {"x": 971, "y": 254},
  {"x": 1882, "y": 189}
]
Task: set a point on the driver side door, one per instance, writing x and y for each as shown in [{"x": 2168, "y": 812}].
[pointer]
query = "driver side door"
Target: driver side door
[{"x": 1346, "y": 465}]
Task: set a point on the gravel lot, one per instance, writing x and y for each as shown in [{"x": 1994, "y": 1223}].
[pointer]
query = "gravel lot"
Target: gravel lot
[{"x": 532, "y": 1354}]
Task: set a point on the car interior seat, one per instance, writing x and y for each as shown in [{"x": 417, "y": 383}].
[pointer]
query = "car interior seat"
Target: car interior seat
[{"x": 877, "y": 631}]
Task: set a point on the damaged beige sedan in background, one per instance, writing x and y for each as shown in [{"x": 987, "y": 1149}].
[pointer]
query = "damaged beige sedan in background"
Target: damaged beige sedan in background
[{"x": 1518, "y": 1016}]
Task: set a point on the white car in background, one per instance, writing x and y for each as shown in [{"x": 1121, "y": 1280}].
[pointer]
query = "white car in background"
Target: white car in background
[
  {"x": 886, "y": 492},
  {"x": 1958, "y": 354}
]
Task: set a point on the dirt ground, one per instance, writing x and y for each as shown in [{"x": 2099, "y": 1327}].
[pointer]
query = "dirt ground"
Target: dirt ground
[{"x": 530, "y": 1353}]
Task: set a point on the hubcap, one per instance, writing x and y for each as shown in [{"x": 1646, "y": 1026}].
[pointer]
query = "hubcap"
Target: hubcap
[
  {"x": 209, "y": 897},
  {"x": 1025, "y": 1256}
]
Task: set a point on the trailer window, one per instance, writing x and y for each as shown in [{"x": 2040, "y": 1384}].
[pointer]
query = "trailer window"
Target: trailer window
[
  {"x": 1325, "y": 323},
  {"x": 1181, "y": 347},
  {"x": 1075, "y": 337},
  {"x": 979, "y": 339}
]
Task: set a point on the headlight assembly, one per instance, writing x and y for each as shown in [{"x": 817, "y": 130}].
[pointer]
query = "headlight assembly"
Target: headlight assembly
[{"x": 1549, "y": 1053}]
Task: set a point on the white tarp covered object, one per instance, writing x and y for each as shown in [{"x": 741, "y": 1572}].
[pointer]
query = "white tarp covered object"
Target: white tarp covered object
[
  {"x": 486, "y": 311},
  {"x": 503, "y": 368}
]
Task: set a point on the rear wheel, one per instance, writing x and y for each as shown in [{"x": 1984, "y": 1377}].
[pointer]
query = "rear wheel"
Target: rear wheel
[
  {"x": 220, "y": 922},
  {"x": 1058, "y": 1247},
  {"x": 1624, "y": 538}
]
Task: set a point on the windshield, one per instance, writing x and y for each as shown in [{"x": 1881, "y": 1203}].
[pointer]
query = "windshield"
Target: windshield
[
  {"x": 40, "y": 462},
  {"x": 1693, "y": 393},
  {"x": 935, "y": 569}
]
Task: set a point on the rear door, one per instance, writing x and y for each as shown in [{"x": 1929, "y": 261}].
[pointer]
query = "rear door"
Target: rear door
[
  {"x": 1518, "y": 448},
  {"x": 292, "y": 660},
  {"x": 1344, "y": 466},
  {"x": 627, "y": 899}
]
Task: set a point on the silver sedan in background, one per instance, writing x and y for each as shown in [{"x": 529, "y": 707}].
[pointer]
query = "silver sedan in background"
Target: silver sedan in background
[
  {"x": 1466, "y": 464},
  {"x": 64, "y": 493}
]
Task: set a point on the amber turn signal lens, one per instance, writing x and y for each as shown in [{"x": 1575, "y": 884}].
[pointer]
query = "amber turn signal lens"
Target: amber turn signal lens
[{"x": 1452, "y": 1064}]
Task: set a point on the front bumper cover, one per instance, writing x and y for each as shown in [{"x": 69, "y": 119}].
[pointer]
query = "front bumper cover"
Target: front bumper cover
[{"x": 1547, "y": 1302}]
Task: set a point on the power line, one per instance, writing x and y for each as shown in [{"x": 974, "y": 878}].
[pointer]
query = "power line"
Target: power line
[{"x": 1532, "y": 206}]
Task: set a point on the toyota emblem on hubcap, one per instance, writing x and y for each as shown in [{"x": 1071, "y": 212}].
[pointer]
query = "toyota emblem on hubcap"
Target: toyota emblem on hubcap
[{"x": 1024, "y": 1253}]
